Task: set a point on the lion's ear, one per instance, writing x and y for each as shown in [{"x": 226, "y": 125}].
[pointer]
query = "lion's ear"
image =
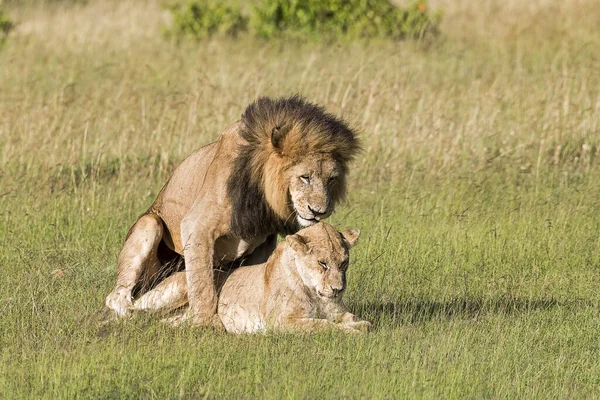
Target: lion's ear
[
  {"x": 350, "y": 237},
  {"x": 297, "y": 243},
  {"x": 276, "y": 135}
]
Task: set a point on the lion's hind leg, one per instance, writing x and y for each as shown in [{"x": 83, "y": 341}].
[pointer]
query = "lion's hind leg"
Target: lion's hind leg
[
  {"x": 168, "y": 295},
  {"x": 137, "y": 259}
]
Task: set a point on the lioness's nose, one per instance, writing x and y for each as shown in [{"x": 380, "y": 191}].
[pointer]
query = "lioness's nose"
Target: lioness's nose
[{"x": 336, "y": 289}]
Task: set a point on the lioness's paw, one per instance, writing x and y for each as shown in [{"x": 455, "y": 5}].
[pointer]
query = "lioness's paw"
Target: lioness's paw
[
  {"x": 362, "y": 326},
  {"x": 348, "y": 329},
  {"x": 119, "y": 300}
]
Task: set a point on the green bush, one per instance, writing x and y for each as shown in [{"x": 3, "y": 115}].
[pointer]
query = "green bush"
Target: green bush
[
  {"x": 348, "y": 18},
  {"x": 6, "y": 25},
  {"x": 302, "y": 18},
  {"x": 202, "y": 19}
]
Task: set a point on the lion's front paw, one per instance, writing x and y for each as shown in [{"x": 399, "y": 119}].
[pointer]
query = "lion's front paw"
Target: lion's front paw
[
  {"x": 119, "y": 300},
  {"x": 188, "y": 318},
  {"x": 212, "y": 321},
  {"x": 361, "y": 326}
]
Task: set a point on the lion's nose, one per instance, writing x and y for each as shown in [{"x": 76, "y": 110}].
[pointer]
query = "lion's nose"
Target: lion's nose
[
  {"x": 316, "y": 213},
  {"x": 336, "y": 289}
]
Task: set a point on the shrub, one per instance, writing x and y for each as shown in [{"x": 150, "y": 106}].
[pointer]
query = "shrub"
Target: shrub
[
  {"x": 202, "y": 19},
  {"x": 301, "y": 18},
  {"x": 6, "y": 26},
  {"x": 350, "y": 18}
]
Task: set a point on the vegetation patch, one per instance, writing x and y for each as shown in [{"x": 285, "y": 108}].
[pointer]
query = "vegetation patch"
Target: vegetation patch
[
  {"x": 6, "y": 25},
  {"x": 306, "y": 18},
  {"x": 339, "y": 18},
  {"x": 203, "y": 19}
]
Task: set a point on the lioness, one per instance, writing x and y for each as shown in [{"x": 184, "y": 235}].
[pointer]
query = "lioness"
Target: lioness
[
  {"x": 281, "y": 167},
  {"x": 303, "y": 279}
]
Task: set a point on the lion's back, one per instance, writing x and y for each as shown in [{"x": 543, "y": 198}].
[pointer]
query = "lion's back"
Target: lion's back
[{"x": 202, "y": 173}]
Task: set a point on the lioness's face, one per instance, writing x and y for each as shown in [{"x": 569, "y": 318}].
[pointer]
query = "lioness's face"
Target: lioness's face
[
  {"x": 312, "y": 183},
  {"x": 322, "y": 257}
]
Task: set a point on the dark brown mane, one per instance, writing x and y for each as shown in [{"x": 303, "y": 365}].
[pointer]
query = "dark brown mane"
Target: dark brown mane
[
  {"x": 279, "y": 133},
  {"x": 251, "y": 215}
]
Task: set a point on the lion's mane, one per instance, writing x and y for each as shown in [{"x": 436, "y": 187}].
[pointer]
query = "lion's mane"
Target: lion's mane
[{"x": 280, "y": 133}]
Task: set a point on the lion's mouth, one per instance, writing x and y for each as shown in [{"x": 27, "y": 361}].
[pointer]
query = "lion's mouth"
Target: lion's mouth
[
  {"x": 306, "y": 221},
  {"x": 326, "y": 296}
]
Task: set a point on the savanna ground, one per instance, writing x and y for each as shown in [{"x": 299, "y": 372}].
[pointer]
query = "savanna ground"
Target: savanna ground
[{"x": 478, "y": 195}]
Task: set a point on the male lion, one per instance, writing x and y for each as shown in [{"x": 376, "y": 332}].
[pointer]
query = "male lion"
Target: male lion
[
  {"x": 281, "y": 167},
  {"x": 303, "y": 279}
]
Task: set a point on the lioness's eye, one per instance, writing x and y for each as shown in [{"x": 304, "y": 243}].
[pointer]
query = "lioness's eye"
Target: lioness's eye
[
  {"x": 332, "y": 180},
  {"x": 305, "y": 179},
  {"x": 323, "y": 265},
  {"x": 344, "y": 265}
]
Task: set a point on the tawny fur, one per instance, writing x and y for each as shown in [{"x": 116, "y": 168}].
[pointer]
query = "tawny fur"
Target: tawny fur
[
  {"x": 226, "y": 202},
  {"x": 299, "y": 288}
]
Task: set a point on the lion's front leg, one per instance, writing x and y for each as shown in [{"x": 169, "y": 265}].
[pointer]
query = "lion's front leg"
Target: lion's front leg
[
  {"x": 199, "y": 269},
  {"x": 199, "y": 272}
]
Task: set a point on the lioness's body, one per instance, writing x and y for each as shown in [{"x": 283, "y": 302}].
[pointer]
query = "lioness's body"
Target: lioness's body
[
  {"x": 279, "y": 168},
  {"x": 290, "y": 292}
]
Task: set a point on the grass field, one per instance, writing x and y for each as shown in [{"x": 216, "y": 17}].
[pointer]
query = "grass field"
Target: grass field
[{"x": 478, "y": 195}]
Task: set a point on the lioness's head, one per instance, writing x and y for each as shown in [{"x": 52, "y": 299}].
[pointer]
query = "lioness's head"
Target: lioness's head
[
  {"x": 292, "y": 169},
  {"x": 321, "y": 254}
]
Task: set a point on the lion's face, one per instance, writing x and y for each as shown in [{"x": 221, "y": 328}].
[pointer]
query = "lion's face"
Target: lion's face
[
  {"x": 322, "y": 257},
  {"x": 312, "y": 184}
]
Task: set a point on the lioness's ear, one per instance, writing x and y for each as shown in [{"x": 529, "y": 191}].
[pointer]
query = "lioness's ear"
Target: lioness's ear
[
  {"x": 276, "y": 136},
  {"x": 297, "y": 243},
  {"x": 350, "y": 237}
]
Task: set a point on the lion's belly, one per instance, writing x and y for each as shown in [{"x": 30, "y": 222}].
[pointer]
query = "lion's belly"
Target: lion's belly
[{"x": 228, "y": 248}]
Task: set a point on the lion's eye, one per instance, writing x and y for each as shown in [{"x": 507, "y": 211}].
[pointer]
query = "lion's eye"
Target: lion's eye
[
  {"x": 332, "y": 180},
  {"x": 344, "y": 265},
  {"x": 305, "y": 179},
  {"x": 323, "y": 265}
]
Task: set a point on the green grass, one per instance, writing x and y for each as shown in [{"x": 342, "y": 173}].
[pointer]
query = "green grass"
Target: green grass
[{"x": 478, "y": 195}]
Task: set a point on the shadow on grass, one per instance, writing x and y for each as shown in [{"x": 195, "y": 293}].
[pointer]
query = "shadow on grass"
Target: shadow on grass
[
  {"x": 421, "y": 310},
  {"x": 390, "y": 313}
]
